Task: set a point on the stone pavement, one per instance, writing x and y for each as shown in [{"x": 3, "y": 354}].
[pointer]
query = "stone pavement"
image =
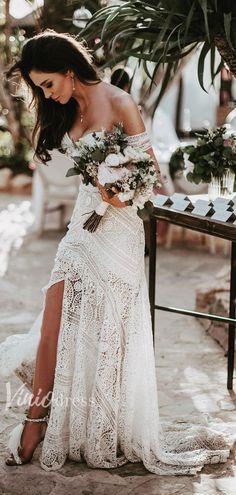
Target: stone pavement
[{"x": 191, "y": 373}]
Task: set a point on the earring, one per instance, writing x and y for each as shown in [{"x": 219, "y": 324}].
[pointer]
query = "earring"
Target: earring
[{"x": 73, "y": 83}]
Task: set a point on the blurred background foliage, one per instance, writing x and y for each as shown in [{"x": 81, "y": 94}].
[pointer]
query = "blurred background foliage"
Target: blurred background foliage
[
  {"x": 15, "y": 119},
  {"x": 159, "y": 35}
]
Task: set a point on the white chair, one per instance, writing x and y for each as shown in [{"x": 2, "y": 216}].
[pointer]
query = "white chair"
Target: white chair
[{"x": 52, "y": 190}]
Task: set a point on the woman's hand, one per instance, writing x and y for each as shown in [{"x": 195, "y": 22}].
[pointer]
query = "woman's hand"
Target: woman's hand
[{"x": 114, "y": 201}]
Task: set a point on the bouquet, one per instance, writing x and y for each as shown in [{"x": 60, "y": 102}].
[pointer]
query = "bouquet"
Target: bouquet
[
  {"x": 212, "y": 156},
  {"x": 114, "y": 164}
]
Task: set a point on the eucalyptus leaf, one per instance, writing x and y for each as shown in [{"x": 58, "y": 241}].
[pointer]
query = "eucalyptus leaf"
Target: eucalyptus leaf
[{"x": 72, "y": 171}]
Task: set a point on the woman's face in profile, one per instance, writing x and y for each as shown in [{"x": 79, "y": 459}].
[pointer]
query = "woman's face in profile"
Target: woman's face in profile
[{"x": 54, "y": 85}]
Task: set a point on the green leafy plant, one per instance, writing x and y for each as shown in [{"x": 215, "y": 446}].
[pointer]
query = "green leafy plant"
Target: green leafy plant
[
  {"x": 165, "y": 32},
  {"x": 213, "y": 154},
  {"x": 16, "y": 162}
]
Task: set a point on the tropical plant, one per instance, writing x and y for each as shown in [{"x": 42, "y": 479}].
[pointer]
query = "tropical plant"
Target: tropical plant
[
  {"x": 14, "y": 134},
  {"x": 166, "y": 31}
]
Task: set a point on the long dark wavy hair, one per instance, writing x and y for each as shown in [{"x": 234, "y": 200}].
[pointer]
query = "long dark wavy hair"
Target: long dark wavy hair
[{"x": 50, "y": 51}]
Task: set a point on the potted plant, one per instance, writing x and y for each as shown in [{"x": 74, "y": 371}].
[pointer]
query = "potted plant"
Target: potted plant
[{"x": 211, "y": 160}]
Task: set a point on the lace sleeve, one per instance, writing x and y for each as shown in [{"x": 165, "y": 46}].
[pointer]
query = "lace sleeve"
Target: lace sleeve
[{"x": 141, "y": 141}]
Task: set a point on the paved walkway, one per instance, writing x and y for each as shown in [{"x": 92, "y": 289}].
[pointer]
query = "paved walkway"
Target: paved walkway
[{"x": 191, "y": 372}]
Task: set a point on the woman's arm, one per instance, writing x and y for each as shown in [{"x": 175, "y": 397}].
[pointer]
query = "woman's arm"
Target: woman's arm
[
  {"x": 115, "y": 201},
  {"x": 129, "y": 114}
]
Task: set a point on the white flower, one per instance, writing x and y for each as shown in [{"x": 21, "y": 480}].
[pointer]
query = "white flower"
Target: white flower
[
  {"x": 130, "y": 153},
  {"x": 116, "y": 148},
  {"x": 112, "y": 160},
  {"x": 135, "y": 154},
  {"x": 110, "y": 174},
  {"x": 139, "y": 202},
  {"x": 126, "y": 196},
  {"x": 125, "y": 186},
  {"x": 122, "y": 159}
]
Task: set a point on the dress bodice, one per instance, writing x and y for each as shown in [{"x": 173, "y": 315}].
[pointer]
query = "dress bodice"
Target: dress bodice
[{"x": 141, "y": 140}]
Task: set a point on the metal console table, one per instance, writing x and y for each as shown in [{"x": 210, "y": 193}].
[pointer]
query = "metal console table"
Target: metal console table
[{"x": 216, "y": 218}]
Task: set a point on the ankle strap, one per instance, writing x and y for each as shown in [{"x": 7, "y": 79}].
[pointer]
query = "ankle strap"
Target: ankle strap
[{"x": 38, "y": 420}]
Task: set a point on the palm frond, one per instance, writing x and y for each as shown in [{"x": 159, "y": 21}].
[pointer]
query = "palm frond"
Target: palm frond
[
  {"x": 227, "y": 27},
  {"x": 165, "y": 31},
  {"x": 201, "y": 63}
]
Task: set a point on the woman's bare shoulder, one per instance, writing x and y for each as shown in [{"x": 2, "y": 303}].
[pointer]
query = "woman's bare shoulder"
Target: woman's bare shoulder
[
  {"x": 127, "y": 112},
  {"x": 121, "y": 99},
  {"x": 124, "y": 109}
]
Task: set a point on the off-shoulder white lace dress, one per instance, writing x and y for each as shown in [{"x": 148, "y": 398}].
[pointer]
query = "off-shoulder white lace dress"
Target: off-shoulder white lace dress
[{"x": 104, "y": 407}]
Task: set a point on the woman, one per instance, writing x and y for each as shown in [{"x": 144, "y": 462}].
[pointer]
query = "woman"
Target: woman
[
  {"x": 121, "y": 79},
  {"x": 94, "y": 365}
]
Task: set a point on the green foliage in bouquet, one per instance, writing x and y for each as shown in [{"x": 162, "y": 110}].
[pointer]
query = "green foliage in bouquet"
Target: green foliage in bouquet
[{"x": 213, "y": 154}]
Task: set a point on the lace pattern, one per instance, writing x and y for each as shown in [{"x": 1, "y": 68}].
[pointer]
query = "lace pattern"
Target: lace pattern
[
  {"x": 141, "y": 141},
  {"x": 106, "y": 367},
  {"x": 105, "y": 406}
]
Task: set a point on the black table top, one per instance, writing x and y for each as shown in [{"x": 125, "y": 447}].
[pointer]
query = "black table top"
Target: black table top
[{"x": 197, "y": 212}]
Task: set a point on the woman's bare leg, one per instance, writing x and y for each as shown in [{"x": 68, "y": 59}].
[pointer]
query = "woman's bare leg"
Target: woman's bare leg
[
  {"x": 47, "y": 351},
  {"x": 44, "y": 369}
]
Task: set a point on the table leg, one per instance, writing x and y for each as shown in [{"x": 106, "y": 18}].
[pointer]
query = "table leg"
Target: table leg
[
  {"x": 232, "y": 312},
  {"x": 152, "y": 270}
]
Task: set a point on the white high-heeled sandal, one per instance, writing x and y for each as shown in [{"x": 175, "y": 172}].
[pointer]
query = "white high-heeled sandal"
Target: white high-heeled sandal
[{"x": 14, "y": 442}]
